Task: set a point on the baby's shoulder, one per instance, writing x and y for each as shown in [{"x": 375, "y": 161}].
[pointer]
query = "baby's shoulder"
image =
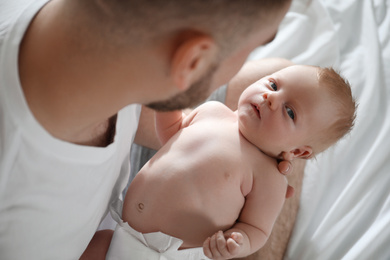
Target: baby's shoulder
[{"x": 214, "y": 108}]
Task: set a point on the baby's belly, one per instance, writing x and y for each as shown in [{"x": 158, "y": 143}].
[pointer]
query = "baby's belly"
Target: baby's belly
[{"x": 190, "y": 206}]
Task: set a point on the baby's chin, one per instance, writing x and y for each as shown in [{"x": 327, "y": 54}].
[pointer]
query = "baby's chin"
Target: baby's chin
[{"x": 276, "y": 155}]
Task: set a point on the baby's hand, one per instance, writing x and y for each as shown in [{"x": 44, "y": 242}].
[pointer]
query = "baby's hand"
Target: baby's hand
[{"x": 220, "y": 247}]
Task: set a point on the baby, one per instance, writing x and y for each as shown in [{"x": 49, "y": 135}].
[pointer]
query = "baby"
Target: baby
[{"x": 213, "y": 190}]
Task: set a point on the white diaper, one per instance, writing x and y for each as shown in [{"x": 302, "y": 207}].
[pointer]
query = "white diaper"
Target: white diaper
[{"x": 130, "y": 244}]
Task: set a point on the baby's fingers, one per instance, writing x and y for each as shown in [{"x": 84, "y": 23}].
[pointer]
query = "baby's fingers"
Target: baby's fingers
[
  {"x": 238, "y": 237},
  {"x": 234, "y": 242},
  {"x": 215, "y": 247},
  {"x": 206, "y": 248},
  {"x": 210, "y": 248},
  {"x": 222, "y": 245}
]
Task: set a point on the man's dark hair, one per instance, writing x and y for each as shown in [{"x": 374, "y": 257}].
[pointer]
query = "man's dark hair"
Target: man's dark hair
[{"x": 138, "y": 20}]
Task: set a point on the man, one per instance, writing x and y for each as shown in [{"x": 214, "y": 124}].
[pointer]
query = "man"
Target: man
[{"x": 71, "y": 73}]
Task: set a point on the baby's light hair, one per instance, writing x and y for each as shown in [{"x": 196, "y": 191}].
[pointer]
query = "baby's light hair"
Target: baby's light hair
[{"x": 341, "y": 94}]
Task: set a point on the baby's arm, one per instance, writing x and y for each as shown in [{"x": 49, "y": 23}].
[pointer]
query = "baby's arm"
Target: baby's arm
[
  {"x": 241, "y": 240},
  {"x": 235, "y": 242},
  {"x": 254, "y": 225}
]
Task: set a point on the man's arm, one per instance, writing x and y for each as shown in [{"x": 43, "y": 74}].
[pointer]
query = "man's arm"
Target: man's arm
[
  {"x": 155, "y": 128},
  {"x": 154, "y": 125},
  {"x": 98, "y": 246},
  {"x": 146, "y": 133},
  {"x": 168, "y": 124}
]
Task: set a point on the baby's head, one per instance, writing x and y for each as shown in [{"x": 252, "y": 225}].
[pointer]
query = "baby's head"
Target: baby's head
[{"x": 296, "y": 112}]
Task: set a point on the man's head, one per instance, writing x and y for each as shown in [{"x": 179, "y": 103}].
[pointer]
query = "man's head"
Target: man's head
[
  {"x": 204, "y": 42},
  {"x": 297, "y": 112}
]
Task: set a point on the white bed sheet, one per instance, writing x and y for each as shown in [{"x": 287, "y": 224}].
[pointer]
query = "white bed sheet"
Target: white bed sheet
[{"x": 345, "y": 201}]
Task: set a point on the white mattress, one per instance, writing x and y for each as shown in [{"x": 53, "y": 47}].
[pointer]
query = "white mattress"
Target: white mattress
[{"x": 345, "y": 201}]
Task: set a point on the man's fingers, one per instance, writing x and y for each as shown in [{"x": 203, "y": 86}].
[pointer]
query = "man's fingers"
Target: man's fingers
[
  {"x": 290, "y": 191},
  {"x": 285, "y": 167}
]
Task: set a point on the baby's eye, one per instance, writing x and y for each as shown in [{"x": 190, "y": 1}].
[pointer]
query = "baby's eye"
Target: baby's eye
[
  {"x": 290, "y": 113},
  {"x": 273, "y": 86}
]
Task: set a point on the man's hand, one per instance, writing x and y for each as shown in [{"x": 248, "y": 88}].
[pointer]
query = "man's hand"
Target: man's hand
[
  {"x": 290, "y": 191},
  {"x": 285, "y": 168},
  {"x": 220, "y": 247}
]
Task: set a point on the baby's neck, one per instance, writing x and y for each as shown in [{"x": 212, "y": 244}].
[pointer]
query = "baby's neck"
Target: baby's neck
[{"x": 278, "y": 157}]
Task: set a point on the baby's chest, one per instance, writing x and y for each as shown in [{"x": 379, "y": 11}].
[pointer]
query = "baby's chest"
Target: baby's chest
[{"x": 224, "y": 169}]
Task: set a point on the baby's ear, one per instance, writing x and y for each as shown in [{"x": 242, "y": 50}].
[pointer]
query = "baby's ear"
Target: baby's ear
[{"x": 303, "y": 152}]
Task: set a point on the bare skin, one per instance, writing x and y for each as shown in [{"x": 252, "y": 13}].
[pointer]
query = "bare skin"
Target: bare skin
[
  {"x": 242, "y": 179},
  {"x": 210, "y": 183},
  {"x": 274, "y": 248},
  {"x": 201, "y": 199},
  {"x": 64, "y": 98},
  {"x": 75, "y": 94},
  {"x": 276, "y": 245},
  {"x": 139, "y": 209},
  {"x": 194, "y": 204}
]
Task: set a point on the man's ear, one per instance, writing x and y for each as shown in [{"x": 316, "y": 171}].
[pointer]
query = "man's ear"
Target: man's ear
[
  {"x": 303, "y": 152},
  {"x": 191, "y": 58}
]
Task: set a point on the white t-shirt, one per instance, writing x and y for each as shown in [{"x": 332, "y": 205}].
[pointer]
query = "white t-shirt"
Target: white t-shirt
[{"x": 53, "y": 194}]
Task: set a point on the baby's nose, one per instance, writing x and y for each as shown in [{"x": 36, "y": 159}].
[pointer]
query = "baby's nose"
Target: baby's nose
[{"x": 269, "y": 98}]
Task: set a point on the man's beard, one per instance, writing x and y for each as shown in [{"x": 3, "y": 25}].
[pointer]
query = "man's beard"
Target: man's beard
[{"x": 197, "y": 93}]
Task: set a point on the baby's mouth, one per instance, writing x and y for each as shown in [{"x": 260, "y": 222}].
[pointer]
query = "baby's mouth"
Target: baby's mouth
[{"x": 257, "y": 110}]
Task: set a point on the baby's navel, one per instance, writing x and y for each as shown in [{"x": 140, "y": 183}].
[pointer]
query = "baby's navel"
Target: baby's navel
[{"x": 140, "y": 207}]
